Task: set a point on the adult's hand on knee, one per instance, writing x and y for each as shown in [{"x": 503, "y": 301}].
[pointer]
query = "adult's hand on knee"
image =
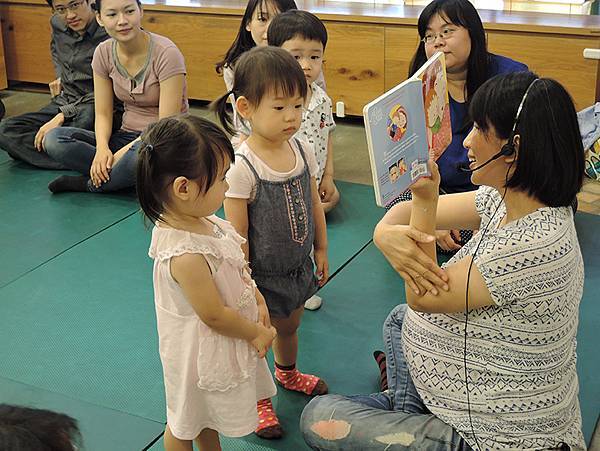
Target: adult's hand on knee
[
  {"x": 55, "y": 122},
  {"x": 398, "y": 244},
  {"x": 101, "y": 166}
]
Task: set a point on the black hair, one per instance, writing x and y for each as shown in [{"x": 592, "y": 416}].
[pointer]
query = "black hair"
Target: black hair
[
  {"x": 243, "y": 41},
  {"x": 176, "y": 146},
  {"x": 98, "y": 5},
  {"x": 256, "y": 73},
  {"x": 28, "y": 429},
  {"x": 464, "y": 14},
  {"x": 296, "y": 23},
  {"x": 550, "y": 159},
  {"x": 52, "y": 6}
]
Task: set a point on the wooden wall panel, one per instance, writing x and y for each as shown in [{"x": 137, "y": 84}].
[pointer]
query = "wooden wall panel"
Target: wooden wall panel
[
  {"x": 400, "y": 45},
  {"x": 3, "y": 80},
  {"x": 554, "y": 56},
  {"x": 362, "y": 60},
  {"x": 354, "y": 66},
  {"x": 26, "y": 33},
  {"x": 203, "y": 40}
]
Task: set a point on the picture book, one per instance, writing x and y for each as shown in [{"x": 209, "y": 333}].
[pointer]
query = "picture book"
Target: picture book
[{"x": 405, "y": 127}]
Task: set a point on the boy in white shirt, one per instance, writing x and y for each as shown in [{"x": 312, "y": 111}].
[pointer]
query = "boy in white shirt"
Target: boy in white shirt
[{"x": 305, "y": 37}]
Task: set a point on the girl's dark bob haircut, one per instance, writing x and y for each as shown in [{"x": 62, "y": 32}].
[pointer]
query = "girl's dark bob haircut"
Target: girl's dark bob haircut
[
  {"x": 243, "y": 41},
  {"x": 464, "y": 14},
  {"x": 27, "y": 429},
  {"x": 176, "y": 146},
  {"x": 296, "y": 23},
  {"x": 550, "y": 158},
  {"x": 258, "y": 72}
]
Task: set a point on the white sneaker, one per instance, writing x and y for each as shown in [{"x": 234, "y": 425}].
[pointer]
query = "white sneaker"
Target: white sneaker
[{"x": 313, "y": 303}]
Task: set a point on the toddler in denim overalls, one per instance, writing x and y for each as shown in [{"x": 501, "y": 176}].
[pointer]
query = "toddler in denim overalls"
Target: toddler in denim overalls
[{"x": 273, "y": 201}]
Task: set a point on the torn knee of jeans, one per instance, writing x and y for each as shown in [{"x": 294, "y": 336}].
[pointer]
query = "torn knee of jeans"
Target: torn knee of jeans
[{"x": 331, "y": 429}]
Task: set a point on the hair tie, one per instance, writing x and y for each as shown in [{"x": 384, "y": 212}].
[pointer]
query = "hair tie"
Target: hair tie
[{"x": 149, "y": 148}]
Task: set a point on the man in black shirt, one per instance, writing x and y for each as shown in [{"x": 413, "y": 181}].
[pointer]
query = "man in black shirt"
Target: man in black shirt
[{"x": 75, "y": 35}]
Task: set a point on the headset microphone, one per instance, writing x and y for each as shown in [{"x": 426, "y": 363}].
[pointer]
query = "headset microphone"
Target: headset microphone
[{"x": 507, "y": 149}]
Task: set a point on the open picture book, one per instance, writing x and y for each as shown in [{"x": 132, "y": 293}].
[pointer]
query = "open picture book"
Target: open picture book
[{"x": 405, "y": 127}]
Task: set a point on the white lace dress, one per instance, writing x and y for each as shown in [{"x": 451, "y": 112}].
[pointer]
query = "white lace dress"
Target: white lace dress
[{"x": 211, "y": 381}]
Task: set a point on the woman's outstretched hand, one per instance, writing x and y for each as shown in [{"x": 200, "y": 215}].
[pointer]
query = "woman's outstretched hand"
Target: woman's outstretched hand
[{"x": 398, "y": 243}]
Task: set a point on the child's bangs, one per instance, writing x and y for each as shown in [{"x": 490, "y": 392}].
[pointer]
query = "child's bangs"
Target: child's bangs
[{"x": 289, "y": 84}]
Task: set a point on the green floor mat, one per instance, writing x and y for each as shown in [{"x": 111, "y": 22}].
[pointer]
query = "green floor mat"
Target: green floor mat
[
  {"x": 102, "y": 429},
  {"x": 86, "y": 323},
  {"x": 350, "y": 224},
  {"x": 37, "y": 225},
  {"x": 4, "y": 157}
]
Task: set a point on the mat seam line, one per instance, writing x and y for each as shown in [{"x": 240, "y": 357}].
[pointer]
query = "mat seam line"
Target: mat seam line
[
  {"x": 346, "y": 263},
  {"x": 155, "y": 440},
  {"x": 68, "y": 249}
]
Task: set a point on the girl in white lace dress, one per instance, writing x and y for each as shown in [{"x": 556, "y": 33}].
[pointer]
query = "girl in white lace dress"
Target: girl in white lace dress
[{"x": 213, "y": 325}]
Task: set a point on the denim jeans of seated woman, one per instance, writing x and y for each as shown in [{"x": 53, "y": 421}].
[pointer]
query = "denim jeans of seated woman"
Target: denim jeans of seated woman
[
  {"x": 393, "y": 420},
  {"x": 75, "y": 148}
]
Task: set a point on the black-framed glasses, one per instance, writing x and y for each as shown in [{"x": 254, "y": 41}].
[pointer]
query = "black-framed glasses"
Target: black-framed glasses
[
  {"x": 430, "y": 38},
  {"x": 73, "y": 6}
]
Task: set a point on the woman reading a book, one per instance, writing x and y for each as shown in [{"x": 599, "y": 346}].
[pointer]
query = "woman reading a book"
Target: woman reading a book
[
  {"x": 484, "y": 354},
  {"x": 454, "y": 27}
]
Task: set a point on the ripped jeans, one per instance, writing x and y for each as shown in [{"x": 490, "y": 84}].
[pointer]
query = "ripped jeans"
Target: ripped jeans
[{"x": 393, "y": 420}]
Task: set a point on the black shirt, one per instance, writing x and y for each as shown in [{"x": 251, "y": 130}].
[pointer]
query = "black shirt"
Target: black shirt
[{"x": 72, "y": 58}]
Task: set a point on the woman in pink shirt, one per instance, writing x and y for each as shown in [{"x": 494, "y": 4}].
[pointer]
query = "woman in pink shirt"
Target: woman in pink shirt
[{"x": 143, "y": 70}]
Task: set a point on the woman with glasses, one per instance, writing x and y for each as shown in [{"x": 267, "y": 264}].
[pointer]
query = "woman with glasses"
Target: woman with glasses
[
  {"x": 454, "y": 27},
  {"x": 143, "y": 70},
  {"x": 75, "y": 35}
]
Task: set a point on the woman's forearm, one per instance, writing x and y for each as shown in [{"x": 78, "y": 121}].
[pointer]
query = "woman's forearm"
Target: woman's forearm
[
  {"x": 423, "y": 218},
  {"x": 103, "y": 130}
]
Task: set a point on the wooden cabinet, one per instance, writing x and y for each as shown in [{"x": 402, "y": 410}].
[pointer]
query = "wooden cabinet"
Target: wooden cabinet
[
  {"x": 354, "y": 64},
  {"x": 369, "y": 48},
  {"x": 400, "y": 45},
  {"x": 553, "y": 56},
  {"x": 3, "y": 80},
  {"x": 26, "y": 33},
  {"x": 203, "y": 39}
]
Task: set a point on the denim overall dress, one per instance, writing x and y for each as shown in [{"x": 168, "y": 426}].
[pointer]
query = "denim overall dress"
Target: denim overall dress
[{"x": 281, "y": 233}]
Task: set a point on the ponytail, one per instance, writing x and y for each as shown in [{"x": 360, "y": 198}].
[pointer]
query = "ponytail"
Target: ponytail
[{"x": 150, "y": 204}]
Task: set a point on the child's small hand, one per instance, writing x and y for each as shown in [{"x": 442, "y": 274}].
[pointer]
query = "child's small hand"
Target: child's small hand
[
  {"x": 262, "y": 342},
  {"x": 322, "y": 264},
  {"x": 427, "y": 187},
  {"x": 263, "y": 311},
  {"x": 326, "y": 188},
  {"x": 263, "y": 315}
]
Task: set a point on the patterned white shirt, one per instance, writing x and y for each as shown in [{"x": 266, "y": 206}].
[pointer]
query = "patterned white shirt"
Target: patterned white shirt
[
  {"x": 317, "y": 124},
  {"x": 521, "y": 352}
]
